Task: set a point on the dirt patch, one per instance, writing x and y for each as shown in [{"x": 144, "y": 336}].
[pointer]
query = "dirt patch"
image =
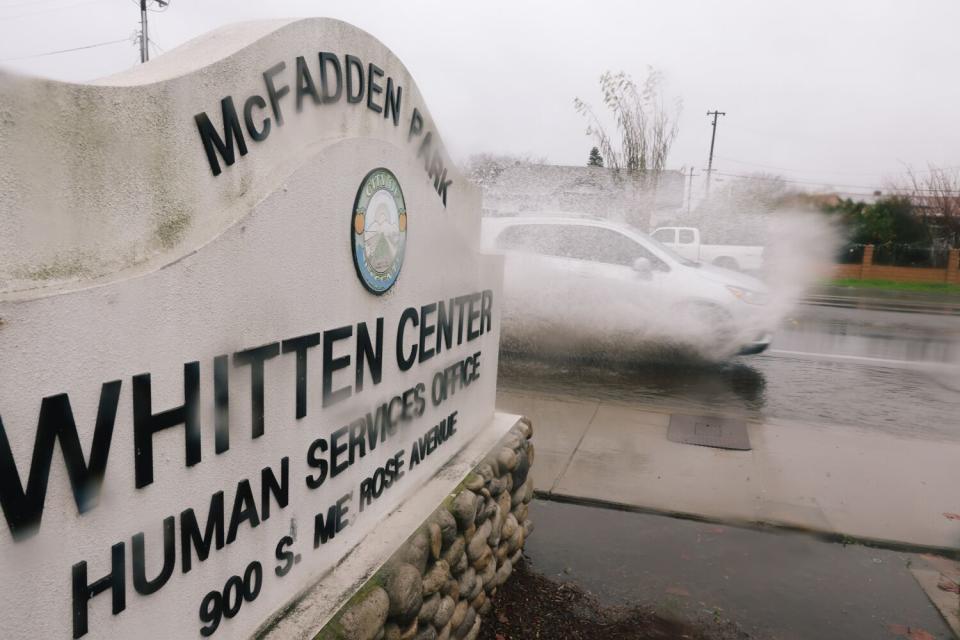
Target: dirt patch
[{"x": 531, "y": 605}]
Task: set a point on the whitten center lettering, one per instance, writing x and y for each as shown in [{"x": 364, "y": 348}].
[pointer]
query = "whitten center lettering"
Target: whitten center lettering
[{"x": 351, "y": 360}]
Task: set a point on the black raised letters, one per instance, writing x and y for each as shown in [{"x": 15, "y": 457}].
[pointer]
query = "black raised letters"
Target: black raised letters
[
  {"x": 367, "y": 352},
  {"x": 274, "y": 92},
  {"x": 190, "y": 532},
  {"x": 146, "y": 423},
  {"x": 405, "y": 362},
  {"x": 373, "y": 72},
  {"x": 305, "y": 85},
  {"x": 213, "y": 143},
  {"x": 353, "y": 63},
  {"x": 300, "y": 346},
  {"x": 23, "y": 510},
  {"x": 331, "y": 364},
  {"x": 143, "y": 585},
  {"x": 325, "y": 59},
  {"x": 259, "y": 135},
  {"x": 393, "y": 102},
  {"x": 83, "y": 592},
  {"x": 255, "y": 358}
]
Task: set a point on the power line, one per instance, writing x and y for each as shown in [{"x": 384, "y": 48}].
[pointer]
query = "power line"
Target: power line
[
  {"x": 822, "y": 183},
  {"x": 49, "y": 9},
  {"x": 776, "y": 168},
  {"x": 53, "y": 53},
  {"x": 26, "y": 3},
  {"x": 821, "y": 172}
]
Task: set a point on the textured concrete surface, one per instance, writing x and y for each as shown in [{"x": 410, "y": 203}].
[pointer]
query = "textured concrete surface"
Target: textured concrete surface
[{"x": 849, "y": 482}]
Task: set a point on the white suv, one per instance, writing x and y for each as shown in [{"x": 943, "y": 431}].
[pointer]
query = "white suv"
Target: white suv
[{"x": 595, "y": 280}]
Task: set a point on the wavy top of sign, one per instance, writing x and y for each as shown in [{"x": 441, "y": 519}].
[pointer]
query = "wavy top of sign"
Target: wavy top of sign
[{"x": 119, "y": 177}]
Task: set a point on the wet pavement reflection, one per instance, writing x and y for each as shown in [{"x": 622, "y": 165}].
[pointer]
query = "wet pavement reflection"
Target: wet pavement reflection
[{"x": 895, "y": 372}]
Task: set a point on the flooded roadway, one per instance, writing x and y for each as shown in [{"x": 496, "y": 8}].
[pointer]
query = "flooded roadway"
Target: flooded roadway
[
  {"x": 844, "y": 368},
  {"x": 878, "y": 369}
]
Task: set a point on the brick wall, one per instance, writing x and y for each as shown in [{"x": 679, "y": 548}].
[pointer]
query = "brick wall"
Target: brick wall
[{"x": 869, "y": 271}]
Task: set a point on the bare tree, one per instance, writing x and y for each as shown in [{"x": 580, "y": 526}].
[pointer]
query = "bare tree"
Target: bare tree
[
  {"x": 936, "y": 194},
  {"x": 646, "y": 127}
]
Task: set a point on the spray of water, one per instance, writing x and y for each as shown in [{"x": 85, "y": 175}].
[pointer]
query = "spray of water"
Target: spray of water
[{"x": 583, "y": 309}]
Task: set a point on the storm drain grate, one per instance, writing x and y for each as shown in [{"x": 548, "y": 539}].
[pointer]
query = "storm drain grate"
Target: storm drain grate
[{"x": 709, "y": 431}]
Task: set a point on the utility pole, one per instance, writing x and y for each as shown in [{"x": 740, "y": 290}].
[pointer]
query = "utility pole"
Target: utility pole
[
  {"x": 145, "y": 50},
  {"x": 689, "y": 191},
  {"x": 713, "y": 138},
  {"x": 144, "y": 36}
]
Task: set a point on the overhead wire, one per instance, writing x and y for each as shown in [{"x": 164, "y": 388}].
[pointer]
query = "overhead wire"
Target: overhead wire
[
  {"x": 869, "y": 188},
  {"x": 163, "y": 8},
  {"x": 51, "y": 53},
  {"x": 822, "y": 172},
  {"x": 49, "y": 9},
  {"x": 26, "y": 3}
]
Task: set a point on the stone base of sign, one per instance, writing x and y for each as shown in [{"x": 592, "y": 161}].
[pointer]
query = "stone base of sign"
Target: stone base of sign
[{"x": 437, "y": 584}]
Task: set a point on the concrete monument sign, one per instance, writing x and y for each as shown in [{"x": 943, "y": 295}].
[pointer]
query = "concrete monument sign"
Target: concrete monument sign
[{"x": 243, "y": 316}]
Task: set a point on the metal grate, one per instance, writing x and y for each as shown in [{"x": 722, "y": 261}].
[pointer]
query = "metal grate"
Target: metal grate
[{"x": 709, "y": 431}]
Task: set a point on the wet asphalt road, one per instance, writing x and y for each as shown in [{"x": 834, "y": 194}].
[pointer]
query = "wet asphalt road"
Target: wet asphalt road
[
  {"x": 892, "y": 371},
  {"x": 774, "y": 586}
]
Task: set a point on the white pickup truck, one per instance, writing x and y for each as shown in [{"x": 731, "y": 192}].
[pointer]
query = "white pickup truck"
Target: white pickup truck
[{"x": 686, "y": 242}]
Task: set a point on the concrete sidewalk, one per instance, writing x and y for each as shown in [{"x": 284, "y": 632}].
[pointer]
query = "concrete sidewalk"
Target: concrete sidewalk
[{"x": 836, "y": 480}]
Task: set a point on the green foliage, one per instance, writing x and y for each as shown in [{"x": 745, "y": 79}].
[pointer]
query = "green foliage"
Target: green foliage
[
  {"x": 887, "y": 221},
  {"x": 595, "y": 159},
  {"x": 889, "y": 285}
]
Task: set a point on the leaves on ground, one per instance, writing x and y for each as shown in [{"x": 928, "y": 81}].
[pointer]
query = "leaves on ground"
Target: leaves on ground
[
  {"x": 531, "y": 605},
  {"x": 946, "y": 584},
  {"x": 910, "y": 633}
]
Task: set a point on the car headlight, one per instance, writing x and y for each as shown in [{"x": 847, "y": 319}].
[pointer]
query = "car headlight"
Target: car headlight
[{"x": 750, "y": 297}]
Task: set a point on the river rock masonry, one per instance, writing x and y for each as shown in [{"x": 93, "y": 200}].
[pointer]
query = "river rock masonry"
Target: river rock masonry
[{"x": 438, "y": 585}]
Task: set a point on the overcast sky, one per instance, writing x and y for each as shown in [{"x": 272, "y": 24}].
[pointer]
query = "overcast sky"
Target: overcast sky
[{"x": 840, "y": 92}]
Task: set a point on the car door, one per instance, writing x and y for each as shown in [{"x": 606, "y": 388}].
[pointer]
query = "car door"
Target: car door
[
  {"x": 610, "y": 293},
  {"x": 538, "y": 279}
]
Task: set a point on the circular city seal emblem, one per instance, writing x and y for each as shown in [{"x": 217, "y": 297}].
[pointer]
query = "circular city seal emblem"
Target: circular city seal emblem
[{"x": 378, "y": 231}]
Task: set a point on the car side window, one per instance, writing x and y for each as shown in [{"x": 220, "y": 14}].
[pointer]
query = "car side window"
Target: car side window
[
  {"x": 687, "y": 236},
  {"x": 598, "y": 244},
  {"x": 530, "y": 238},
  {"x": 667, "y": 236}
]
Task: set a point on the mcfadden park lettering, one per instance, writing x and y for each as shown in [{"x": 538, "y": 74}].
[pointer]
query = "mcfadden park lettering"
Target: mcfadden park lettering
[{"x": 325, "y": 81}]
